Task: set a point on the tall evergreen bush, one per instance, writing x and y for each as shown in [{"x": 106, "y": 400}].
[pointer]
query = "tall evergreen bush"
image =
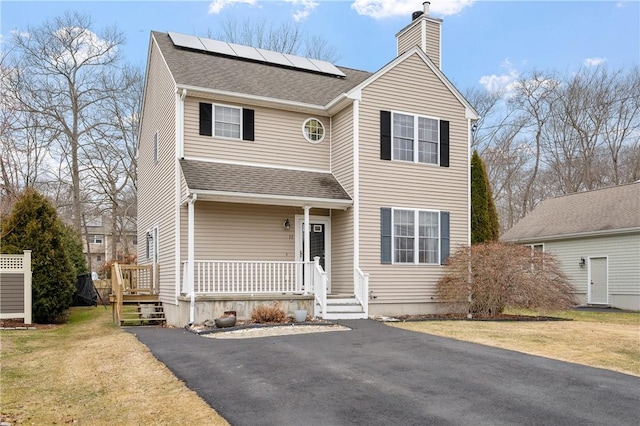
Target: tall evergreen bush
[
  {"x": 34, "y": 225},
  {"x": 484, "y": 216}
]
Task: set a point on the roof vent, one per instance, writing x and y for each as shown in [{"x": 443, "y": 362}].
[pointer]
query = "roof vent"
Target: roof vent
[{"x": 415, "y": 15}]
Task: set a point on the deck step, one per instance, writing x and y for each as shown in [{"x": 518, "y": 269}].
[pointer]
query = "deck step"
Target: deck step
[{"x": 148, "y": 312}]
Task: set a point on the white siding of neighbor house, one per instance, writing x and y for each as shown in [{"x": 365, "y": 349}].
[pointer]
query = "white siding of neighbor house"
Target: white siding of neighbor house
[
  {"x": 156, "y": 181},
  {"x": 279, "y": 140},
  {"x": 623, "y": 253},
  {"x": 413, "y": 88}
]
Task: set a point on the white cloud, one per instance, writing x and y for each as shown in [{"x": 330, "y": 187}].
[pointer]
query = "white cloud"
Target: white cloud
[
  {"x": 380, "y": 9},
  {"x": 87, "y": 46},
  {"x": 305, "y": 8},
  {"x": 592, "y": 62},
  {"x": 505, "y": 82},
  {"x": 216, "y": 6}
]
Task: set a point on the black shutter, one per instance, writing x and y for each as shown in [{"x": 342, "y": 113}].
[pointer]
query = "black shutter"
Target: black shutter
[
  {"x": 385, "y": 235},
  {"x": 444, "y": 143},
  {"x": 206, "y": 119},
  {"x": 385, "y": 135},
  {"x": 247, "y": 124},
  {"x": 445, "y": 244}
]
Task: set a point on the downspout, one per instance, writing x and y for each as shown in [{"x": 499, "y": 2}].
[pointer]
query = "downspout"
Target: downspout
[
  {"x": 179, "y": 153},
  {"x": 356, "y": 183},
  {"x": 190, "y": 257}
]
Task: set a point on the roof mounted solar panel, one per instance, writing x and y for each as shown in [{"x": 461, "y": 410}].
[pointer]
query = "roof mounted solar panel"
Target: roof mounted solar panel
[
  {"x": 327, "y": 67},
  {"x": 247, "y": 52},
  {"x": 275, "y": 57},
  {"x": 217, "y": 46},
  {"x": 188, "y": 41},
  {"x": 301, "y": 62}
]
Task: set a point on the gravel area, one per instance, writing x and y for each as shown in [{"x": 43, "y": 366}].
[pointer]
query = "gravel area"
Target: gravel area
[{"x": 249, "y": 333}]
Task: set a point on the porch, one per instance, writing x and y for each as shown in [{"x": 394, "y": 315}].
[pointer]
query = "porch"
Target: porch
[
  {"x": 222, "y": 285},
  {"x": 135, "y": 286}
]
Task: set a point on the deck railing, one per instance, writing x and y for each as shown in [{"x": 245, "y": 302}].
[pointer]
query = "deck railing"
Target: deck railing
[
  {"x": 245, "y": 277},
  {"x": 131, "y": 280},
  {"x": 319, "y": 283}
]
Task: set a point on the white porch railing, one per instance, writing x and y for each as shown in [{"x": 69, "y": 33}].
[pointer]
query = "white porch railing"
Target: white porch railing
[
  {"x": 244, "y": 277},
  {"x": 319, "y": 283},
  {"x": 361, "y": 289}
]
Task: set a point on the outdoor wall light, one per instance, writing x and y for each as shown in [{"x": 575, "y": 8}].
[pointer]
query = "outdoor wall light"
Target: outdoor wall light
[
  {"x": 286, "y": 224},
  {"x": 582, "y": 262}
]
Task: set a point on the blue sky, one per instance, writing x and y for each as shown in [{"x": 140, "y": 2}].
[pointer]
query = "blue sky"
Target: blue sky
[{"x": 485, "y": 43}]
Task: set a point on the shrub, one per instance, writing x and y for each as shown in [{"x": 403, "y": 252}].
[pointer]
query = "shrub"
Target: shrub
[
  {"x": 34, "y": 225},
  {"x": 504, "y": 276},
  {"x": 268, "y": 313}
]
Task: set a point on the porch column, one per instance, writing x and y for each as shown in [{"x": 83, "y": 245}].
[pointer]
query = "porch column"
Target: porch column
[
  {"x": 190, "y": 257},
  {"x": 306, "y": 253}
]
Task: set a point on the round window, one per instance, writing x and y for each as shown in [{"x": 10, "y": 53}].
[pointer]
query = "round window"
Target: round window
[{"x": 313, "y": 130}]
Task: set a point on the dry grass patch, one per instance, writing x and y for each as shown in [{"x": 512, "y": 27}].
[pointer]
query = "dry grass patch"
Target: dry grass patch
[
  {"x": 91, "y": 372},
  {"x": 597, "y": 339}
]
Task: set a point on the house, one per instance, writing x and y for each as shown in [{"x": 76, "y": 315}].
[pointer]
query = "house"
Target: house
[
  {"x": 108, "y": 242},
  {"x": 264, "y": 176},
  {"x": 596, "y": 237}
]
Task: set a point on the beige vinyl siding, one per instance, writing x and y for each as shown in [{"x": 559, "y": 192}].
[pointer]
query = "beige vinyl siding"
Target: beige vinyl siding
[
  {"x": 278, "y": 139},
  {"x": 622, "y": 251},
  {"x": 342, "y": 251},
  {"x": 410, "y": 38},
  {"x": 342, "y": 148},
  {"x": 433, "y": 41},
  {"x": 12, "y": 293},
  {"x": 156, "y": 181},
  {"x": 410, "y": 87}
]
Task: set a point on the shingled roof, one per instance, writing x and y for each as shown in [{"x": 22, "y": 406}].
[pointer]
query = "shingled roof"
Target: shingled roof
[
  {"x": 212, "y": 71},
  {"x": 609, "y": 209},
  {"x": 233, "y": 179}
]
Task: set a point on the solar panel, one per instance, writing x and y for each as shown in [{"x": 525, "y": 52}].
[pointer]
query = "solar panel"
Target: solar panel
[
  {"x": 217, "y": 46},
  {"x": 189, "y": 41},
  {"x": 300, "y": 62},
  {"x": 275, "y": 57},
  {"x": 327, "y": 67},
  {"x": 247, "y": 52},
  {"x": 254, "y": 54}
]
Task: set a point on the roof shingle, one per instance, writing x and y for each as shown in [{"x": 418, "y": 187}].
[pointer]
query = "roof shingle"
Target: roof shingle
[
  {"x": 211, "y": 71},
  {"x": 605, "y": 209}
]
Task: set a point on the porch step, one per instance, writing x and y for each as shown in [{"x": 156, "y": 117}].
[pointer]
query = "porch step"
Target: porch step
[
  {"x": 146, "y": 313},
  {"x": 343, "y": 306}
]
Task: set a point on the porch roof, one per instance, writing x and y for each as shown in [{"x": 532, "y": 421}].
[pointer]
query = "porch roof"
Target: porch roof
[{"x": 263, "y": 185}]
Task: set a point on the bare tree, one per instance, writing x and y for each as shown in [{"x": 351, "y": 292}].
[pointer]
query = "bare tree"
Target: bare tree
[
  {"x": 61, "y": 79},
  {"x": 284, "y": 38}
]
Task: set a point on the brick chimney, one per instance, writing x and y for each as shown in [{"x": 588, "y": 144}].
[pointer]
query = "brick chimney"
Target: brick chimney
[{"x": 423, "y": 31}]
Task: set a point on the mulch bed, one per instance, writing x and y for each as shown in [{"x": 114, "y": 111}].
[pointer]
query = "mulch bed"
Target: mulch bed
[
  {"x": 463, "y": 317},
  {"x": 242, "y": 325},
  {"x": 18, "y": 324}
]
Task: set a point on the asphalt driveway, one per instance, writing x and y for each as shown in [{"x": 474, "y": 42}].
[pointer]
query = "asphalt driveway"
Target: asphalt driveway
[{"x": 380, "y": 375}]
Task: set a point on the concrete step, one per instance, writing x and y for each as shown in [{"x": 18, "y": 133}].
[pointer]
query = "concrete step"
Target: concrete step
[
  {"x": 345, "y": 307},
  {"x": 344, "y": 315}
]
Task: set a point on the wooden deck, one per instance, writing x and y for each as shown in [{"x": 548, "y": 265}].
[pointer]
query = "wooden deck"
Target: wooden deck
[{"x": 135, "y": 285}]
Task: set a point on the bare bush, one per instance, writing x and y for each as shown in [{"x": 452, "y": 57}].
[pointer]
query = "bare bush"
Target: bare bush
[
  {"x": 487, "y": 278},
  {"x": 268, "y": 313}
]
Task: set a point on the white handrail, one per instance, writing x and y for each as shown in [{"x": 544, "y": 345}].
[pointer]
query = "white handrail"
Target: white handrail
[
  {"x": 361, "y": 289},
  {"x": 319, "y": 285},
  {"x": 244, "y": 277}
]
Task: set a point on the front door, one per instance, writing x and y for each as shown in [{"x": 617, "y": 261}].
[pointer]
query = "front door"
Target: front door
[
  {"x": 319, "y": 241},
  {"x": 598, "y": 285}
]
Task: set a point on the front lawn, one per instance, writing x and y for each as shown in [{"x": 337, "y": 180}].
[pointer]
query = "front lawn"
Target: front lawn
[
  {"x": 91, "y": 372},
  {"x": 608, "y": 340}
]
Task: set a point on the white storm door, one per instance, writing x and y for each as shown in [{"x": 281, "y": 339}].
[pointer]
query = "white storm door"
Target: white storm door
[{"x": 598, "y": 282}]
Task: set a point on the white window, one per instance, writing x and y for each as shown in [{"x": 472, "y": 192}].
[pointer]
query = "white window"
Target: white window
[
  {"x": 226, "y": 121},
  {"x": 151, "y": 248},
  {"x": 97, "y": 239},
  {"x": 416, "y": 236},
  {"x": 415, "y": 138},
  {"x": 313, "y": 130},
  {"x": 155, "y": 147}
]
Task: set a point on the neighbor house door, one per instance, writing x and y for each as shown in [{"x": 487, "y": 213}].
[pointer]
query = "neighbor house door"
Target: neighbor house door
[
  {"x": 598, "y": 283},
  {"x": 319, "y": 242}
]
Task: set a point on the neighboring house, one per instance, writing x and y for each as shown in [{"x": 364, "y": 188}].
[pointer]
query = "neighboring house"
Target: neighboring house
[
  {"x": 251, "y": 164},
  {"x": 106, "y": 245},
  {"x": 596, "y": 237}
]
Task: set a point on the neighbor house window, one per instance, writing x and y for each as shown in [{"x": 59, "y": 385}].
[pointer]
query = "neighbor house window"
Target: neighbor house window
[
  {"x": 414, "y": 236},
  {"x": 313, "y": 130},
  {"x": 97, "y": 239},
  {"x": 98, "y": 258},
  {"x": 414, "y": 138}
]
